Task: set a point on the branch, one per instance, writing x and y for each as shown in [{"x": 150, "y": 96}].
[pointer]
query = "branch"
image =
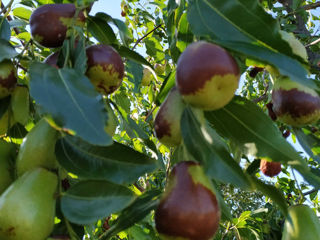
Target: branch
[
  {"x": 140, "y": 39},
  {"x": 311, "y": 191},
  {"x": 311, "y": 6}
]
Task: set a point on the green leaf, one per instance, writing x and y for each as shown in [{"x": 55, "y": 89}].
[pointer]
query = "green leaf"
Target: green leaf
[
  {"x": 309, "y": 142},
  {"x": 168, "y": 83},
  {"x": 206, "y": 147},
  {"x": 88, "y": 201},
  {"x": 5, "y": 31},
  {"x": 131, "y": 55},
  {"x": 4, "y": 105},
  {"x": 6, "y": 50},
  {"x": 101, "y": 30},
  {"x": 134, "y": 73},
  {"x": 135, "y": 212},
  {"x": 23, "y": 13},
  {"x": 72, "y": 101},
  {"x": 116, "y": 163},
  {"x": 246, "y": 124},
  {"x": 154, "y": 48}
]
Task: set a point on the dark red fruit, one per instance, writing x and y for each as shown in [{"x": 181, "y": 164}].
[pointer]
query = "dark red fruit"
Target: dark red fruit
[
  {"x": 52, "y": 59},
  {"x": 272, "y": 115},
  {"x": 105, "y": 68},
  {"x": 269, "y": 168},
  {"x": 253, "y": 73},
  {"x": 286, "y": 134},
  {"x": 49, "y": 23},
  {"x": 8, "y": 78},
  {"x": 189, "y": 209},
  {"x": 295, "y": 104},
  {"x": 123, "y": 13},
  {"x": 207, "y": 76}
]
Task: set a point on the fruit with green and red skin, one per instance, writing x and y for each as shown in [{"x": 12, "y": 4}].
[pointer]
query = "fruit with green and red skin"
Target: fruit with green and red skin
[
  {"x": 189, "y": 209},
  {"x": 105, "y": 68},
  {"x": 49, "y": 23},
  {"x": 269, "y": 168},
  {"x": 27, "y": 207},
  {"x": 301, "y": 223},
  {"x": 295, "y": 104},
  {"x": 167, "y": 121},
  {"x": 207, "y": 76},
  {"x": 8, "y": 78}
]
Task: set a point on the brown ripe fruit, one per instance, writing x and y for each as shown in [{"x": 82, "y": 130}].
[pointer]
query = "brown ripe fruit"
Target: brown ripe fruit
[
  {"x": 167, "y": 121},
  {"x": 8, "y": 78},
  {"x": 295, "y": 104},
  {"x": 123, "y": 13},
  {"x": 49, "y": 23},
  {"x": 52, "y": 59},
  {"x": 269, "y": 168},
  {"x": 207, "y": 76},
  {"x": 105, "y": 68},
  {"x": 189, "y": 209}
]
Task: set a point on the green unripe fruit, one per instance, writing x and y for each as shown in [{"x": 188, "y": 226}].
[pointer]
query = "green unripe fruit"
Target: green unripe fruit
[
  {"x": 112, "y": 121},
  {"x": 105, "y": 68},
  {"x": 147, "y": 77},
  {"x": 167, "y": 121},
  {"x": 20, "y": 104},
  {"x": 37, "y": 148},
  {"x": 49, "y": 23},
  {"x": 27, "y": 207},
  {"x": 295, "y": 104},
  {"x": 301, "y": 223},
  {"x": 6, "y": 171},
  {"x": 207, "y": 76},
  {"x": 159, "y": 68},
  {"x": 189, "y": 209},
  {"x": 8, "y": 78}
]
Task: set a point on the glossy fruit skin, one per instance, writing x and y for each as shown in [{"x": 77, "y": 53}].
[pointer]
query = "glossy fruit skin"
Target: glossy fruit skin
[
  {"x": 105, "y": 68},
  {"x": 49, "y": 23},
  {"x": 269, "y": 168},
  {"x": 301, "y": 223},
  {"x": 295, "y": 104},
  {"x": 167, "y": 121},
  {"x": 189, "y": 209},
  {"x": 207, "y": 76},
  {"x": 40, "y": 140},
  {"x": 8, "y": 78},
  {"x": 6, "y": 171},
  {"x": 112, "y": 121},
  {"x": 159, "y": 68},
  {"x": 27, "y": 207},
  {"x": 20, "y": 104}
]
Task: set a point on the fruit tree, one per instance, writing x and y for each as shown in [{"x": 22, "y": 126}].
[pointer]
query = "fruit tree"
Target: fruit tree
[{"x": 174, "y": 120}]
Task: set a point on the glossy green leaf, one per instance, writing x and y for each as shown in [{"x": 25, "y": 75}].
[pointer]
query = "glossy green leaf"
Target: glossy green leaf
[
  {"x": 135, "y": 212},
  {"x": 101, "y": 30},
  {"x": 21, "y": 12},
  {"x": 246, "y": 124},
  {"x": 168, "y": 83},
  {"x": 88, "y": 201},
  {"x": 5, "y": 31},
  {"x": 208, "y": 148},
  {"x": 70, "y": 98},
  {"x": 6, "y": 50},
  {"x": 116, "y": 163},
  {"x": 309, "y": 142}
]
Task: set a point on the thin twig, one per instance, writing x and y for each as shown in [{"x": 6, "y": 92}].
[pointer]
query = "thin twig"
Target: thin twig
[
  {"x": 140, "y": 39},
  {"x": 311, "y": 6},
  {"x": 310, "y": 192},
  {"x": 148, "y": 115},
  {"x": 313, "y": 43}
]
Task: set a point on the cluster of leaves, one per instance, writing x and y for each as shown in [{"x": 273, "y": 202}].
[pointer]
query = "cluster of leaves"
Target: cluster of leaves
[{"x": 116, "y": 182}]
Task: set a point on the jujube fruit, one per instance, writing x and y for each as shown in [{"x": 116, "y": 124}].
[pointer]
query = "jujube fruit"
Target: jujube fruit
[
  {"x": 189, "y": 209},
  {"x": 37, "y": 148},
  {"x": 8, "y": 78},
  {"x": 27, "y": 207},
  {"x": 295, "y": 104},
  {"x": 301, "y": 223},
  {"x": 159, "y": 68},
  {"x": 147, "y": 77},
  {"x": 207, "y": 76},
  {"x": 167, "y": 120},
  {"x": 269, "y": 168},
  {"x": 49, "y": 23},
  {"x": 105, "y": 68}
]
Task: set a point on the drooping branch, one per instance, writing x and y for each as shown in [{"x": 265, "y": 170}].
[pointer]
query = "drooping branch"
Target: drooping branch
[
  {"x": 311, "y": 6},
  {"x": 140, "y": 39}
]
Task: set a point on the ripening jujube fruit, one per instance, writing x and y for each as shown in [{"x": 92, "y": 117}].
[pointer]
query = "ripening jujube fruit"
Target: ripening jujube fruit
[
  {"x": 8, "y": 78},
  {"x": 269, "y": 168},
  {"x": 189, "y": 208},
  {"x": 167, "y": 121},
  {"x": 49, "y": 23},
  {"x": 105, "y": 68},
  {"x": 295, "y": 104},
  {"x": 207, "y": 76}
]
